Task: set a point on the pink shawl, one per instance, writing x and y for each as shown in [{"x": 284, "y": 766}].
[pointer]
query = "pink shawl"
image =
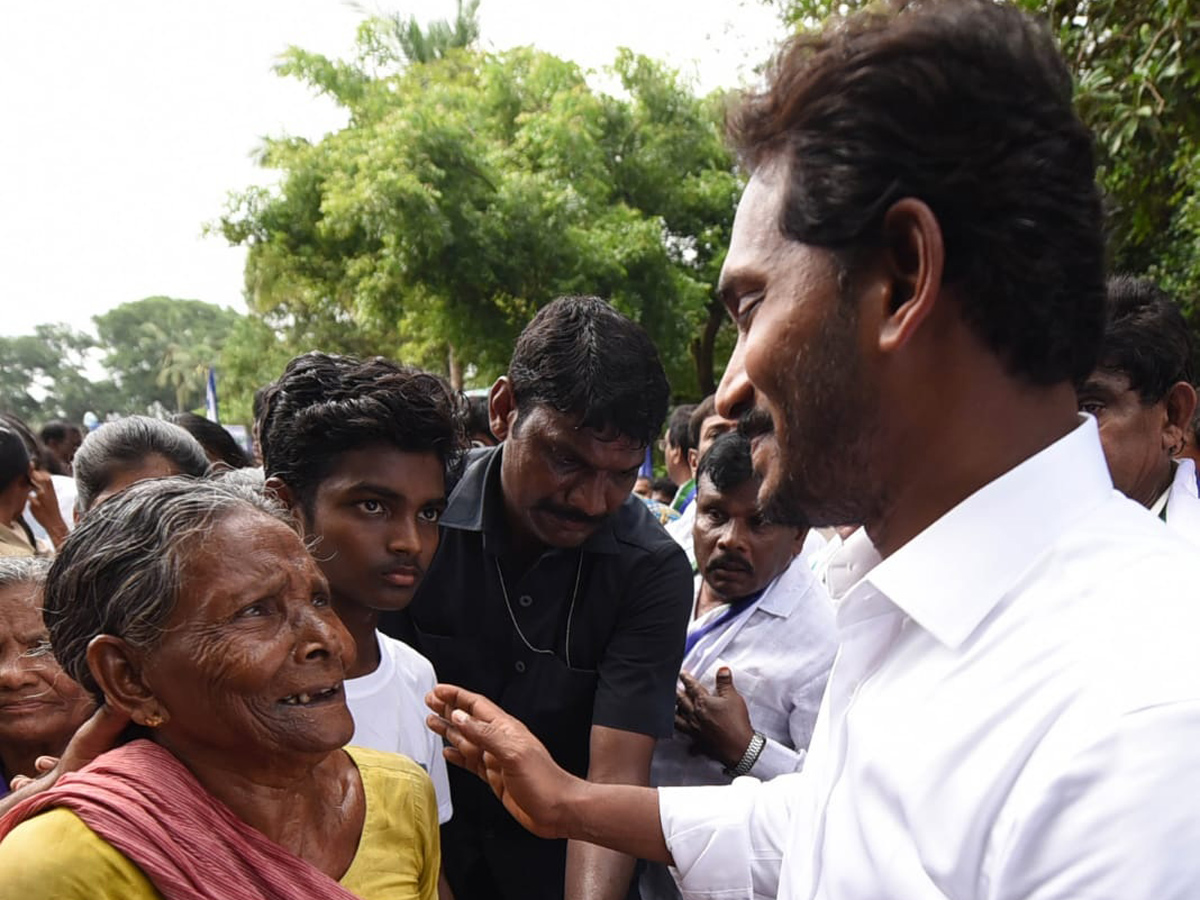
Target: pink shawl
[{"x": 145, "y": 803}]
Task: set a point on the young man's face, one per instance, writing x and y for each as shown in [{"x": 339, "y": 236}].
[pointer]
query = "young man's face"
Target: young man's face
[{"x": 374, "y": 524}]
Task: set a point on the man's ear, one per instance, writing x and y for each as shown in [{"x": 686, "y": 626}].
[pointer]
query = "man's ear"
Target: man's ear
[
  {"x": 117, "y": 668},
  {"x": 911, "y": 276},
  {"x": 502, "y": 408},
  {"x": 1180, "y": 404},
  {"x": 798, "y": 543},
  {"x": 276, "y": 487},
  {"x": 693, "y": 460}
]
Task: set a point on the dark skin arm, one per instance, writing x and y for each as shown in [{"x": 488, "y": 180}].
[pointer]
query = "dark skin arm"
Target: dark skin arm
[
  {"x": 616, "y": 757},
  {"x": 545, "y": 799},
  {"x": 717, "y": 722}
]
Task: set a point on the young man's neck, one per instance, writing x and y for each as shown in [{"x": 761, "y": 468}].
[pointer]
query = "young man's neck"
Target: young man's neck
[{"x": 361, "y": 623}]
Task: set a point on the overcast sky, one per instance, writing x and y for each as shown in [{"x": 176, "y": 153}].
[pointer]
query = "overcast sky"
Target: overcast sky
[{"x": 127, "y": 122}]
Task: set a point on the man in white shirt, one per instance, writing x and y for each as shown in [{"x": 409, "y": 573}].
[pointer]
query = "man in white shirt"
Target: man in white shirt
[
  {"x": 760, "y": 643},
  {"x": 1142, "y": 397},
  {"x": 916, "y": 271}
]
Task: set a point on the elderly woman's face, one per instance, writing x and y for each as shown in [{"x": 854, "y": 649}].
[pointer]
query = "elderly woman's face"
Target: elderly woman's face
[
  {"x": 39, "y": 705},
  {"x": 253, "y": 656}
]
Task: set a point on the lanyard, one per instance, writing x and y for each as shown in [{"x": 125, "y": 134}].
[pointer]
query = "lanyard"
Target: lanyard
[{"x": 732, "y": 611}]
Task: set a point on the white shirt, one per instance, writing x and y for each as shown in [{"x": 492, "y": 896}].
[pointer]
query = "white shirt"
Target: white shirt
[
  {"x": 1014, "y": 713},
  {"x": 681, "y": 530},
  {"x": 1183, "y": 502},
  {"x": 780, "y": 653},
  {"x": 388, "y": 706}
]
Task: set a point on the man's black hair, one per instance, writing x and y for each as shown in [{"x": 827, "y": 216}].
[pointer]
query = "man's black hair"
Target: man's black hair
[
  {"x": 56, "y": 430},
  {"x": 581, "y": 357},
  {"x": 705, "y": 409},
  {"x": 218, "y": 443},
  {"x": 1145, "y": 337},
  {"x": 663, "y": 485},
  {"x": 478, "y": 419},
  {"x": 14, "y": 457},
  {"x": 323, "y": 406},
  {"x": 679, "y": 432},
  {"x": 966, "y": 106},
  {"x": 728, "y": 462}
]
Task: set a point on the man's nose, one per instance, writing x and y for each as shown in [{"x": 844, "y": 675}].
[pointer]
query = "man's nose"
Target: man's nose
[{"x": 735, "y": 393}]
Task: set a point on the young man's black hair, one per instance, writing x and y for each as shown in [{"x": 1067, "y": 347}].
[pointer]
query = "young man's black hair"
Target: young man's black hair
[{"x": 324, "y": 405}]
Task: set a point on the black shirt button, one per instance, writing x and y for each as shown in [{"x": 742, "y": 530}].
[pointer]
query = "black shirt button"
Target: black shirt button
[
  {"x": 519, "y": 665},
  {"x": 525, "y": 600}
]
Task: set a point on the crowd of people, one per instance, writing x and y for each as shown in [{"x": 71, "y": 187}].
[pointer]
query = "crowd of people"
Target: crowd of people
[{"x": 909, "y": 615}]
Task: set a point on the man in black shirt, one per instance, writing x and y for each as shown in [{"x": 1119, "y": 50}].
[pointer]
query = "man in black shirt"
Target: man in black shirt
[{"x": 556, "y": 593}]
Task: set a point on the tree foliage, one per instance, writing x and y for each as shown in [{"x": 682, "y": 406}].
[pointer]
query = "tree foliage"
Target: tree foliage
[
  {"x": 471, "y": 188},
  {"x": 1137, "y": 78},
  {"x": 159, "y": 349}
]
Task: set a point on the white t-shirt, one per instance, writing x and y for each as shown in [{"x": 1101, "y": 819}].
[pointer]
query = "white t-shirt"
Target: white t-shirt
[{"x": 388, "y": 706}]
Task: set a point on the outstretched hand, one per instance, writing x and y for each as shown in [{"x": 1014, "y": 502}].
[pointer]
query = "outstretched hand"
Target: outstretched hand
[
  {"x": 499, "y": 749},
  {"x": 94, "y": 737}
]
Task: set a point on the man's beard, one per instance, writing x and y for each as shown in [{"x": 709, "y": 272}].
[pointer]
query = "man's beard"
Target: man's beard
[{"x": 816, "y": 461}]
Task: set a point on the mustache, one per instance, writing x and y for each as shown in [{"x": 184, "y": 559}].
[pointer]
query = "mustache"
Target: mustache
[
  {"x": 566, "y": 512},
  {"x": 732, "y": 562},
  {"x": 754, "y": 423}
]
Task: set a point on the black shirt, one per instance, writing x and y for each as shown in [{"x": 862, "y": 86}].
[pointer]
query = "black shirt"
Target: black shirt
[{"x": 585, "y": 636}]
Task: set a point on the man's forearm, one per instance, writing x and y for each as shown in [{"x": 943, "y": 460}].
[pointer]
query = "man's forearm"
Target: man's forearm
[
  {"x": 597, "y": 873},
  {"x": 623, "y": 817}
]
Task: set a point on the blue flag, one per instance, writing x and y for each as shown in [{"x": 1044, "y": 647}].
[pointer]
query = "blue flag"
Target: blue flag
[{"x": 210, "y": 397}]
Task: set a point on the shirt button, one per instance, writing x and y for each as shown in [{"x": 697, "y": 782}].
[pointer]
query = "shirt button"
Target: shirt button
[
  {"x": 519, "y": 666},
  {"x": 525, "y": 600}
]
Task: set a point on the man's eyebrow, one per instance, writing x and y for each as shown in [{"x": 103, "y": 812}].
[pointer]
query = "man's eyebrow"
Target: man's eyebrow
[
  {"x": 735, "y": 283},
  {"x": 369, "y": 487}
]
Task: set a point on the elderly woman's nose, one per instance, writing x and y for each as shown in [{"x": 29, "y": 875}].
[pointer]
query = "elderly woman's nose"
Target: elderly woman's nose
[{"x": 16, "y": 671}]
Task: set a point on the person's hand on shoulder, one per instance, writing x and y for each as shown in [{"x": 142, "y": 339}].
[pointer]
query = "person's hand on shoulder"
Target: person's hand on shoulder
[{"x": 94, "y": 737}]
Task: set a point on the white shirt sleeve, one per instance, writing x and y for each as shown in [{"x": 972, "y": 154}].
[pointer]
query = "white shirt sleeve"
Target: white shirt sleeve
[{"x": 727, "y": 841}]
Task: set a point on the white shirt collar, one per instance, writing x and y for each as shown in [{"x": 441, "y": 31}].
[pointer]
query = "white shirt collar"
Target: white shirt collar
[{"x": 951, "y": 575}]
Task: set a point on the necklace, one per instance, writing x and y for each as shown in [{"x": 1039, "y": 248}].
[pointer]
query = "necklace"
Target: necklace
[{"x": 570, "y": 611}]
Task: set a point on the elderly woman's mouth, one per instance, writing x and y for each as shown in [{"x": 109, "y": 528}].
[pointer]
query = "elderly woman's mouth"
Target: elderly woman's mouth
[{"x": 304, "y": 698}]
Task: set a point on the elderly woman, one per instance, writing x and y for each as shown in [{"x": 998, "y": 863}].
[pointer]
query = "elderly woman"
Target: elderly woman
[
  {"x": 129, "y": 450},
  {"x": 195, "y": 610},
  {"x": 40, "y": 706}
]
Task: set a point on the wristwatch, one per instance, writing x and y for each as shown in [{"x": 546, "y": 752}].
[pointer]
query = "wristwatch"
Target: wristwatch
[{"x": 753, "y": 751}]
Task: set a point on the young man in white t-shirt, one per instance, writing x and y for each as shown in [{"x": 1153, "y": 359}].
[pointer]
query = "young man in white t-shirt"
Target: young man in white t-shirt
[{"x": 359, "y": 450}]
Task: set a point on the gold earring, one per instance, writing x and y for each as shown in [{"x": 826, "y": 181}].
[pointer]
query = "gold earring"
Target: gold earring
[{"x": 153, "y": 720}]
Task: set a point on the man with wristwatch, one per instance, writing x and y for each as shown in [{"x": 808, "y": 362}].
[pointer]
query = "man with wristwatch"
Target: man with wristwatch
[{"x": 760, "y": 643}]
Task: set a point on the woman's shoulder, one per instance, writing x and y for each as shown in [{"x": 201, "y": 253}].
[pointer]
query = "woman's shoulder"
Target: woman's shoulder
[
  {"x": 398, "y": 853},
  {"x": 55, "y": 855},
  {"x": 391, "y": 779},
  {"x": 386, "y": 767}
]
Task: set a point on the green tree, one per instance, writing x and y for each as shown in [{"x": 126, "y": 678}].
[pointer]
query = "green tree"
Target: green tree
[
  {"x": 1137, "y": 78},
  {"x": 159, "y": 348},
  {"x": 471, "y": 188}
]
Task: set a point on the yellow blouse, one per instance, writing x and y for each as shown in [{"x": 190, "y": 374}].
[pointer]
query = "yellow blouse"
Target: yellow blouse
[{"x": 54, "y": 855}]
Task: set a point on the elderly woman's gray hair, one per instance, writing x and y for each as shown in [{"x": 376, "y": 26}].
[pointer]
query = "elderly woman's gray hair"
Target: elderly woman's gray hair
[
  {"x": 121, "y": 571},
  {"x": 23, "y": 570},
  {"x": 121, "y": 445}
]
